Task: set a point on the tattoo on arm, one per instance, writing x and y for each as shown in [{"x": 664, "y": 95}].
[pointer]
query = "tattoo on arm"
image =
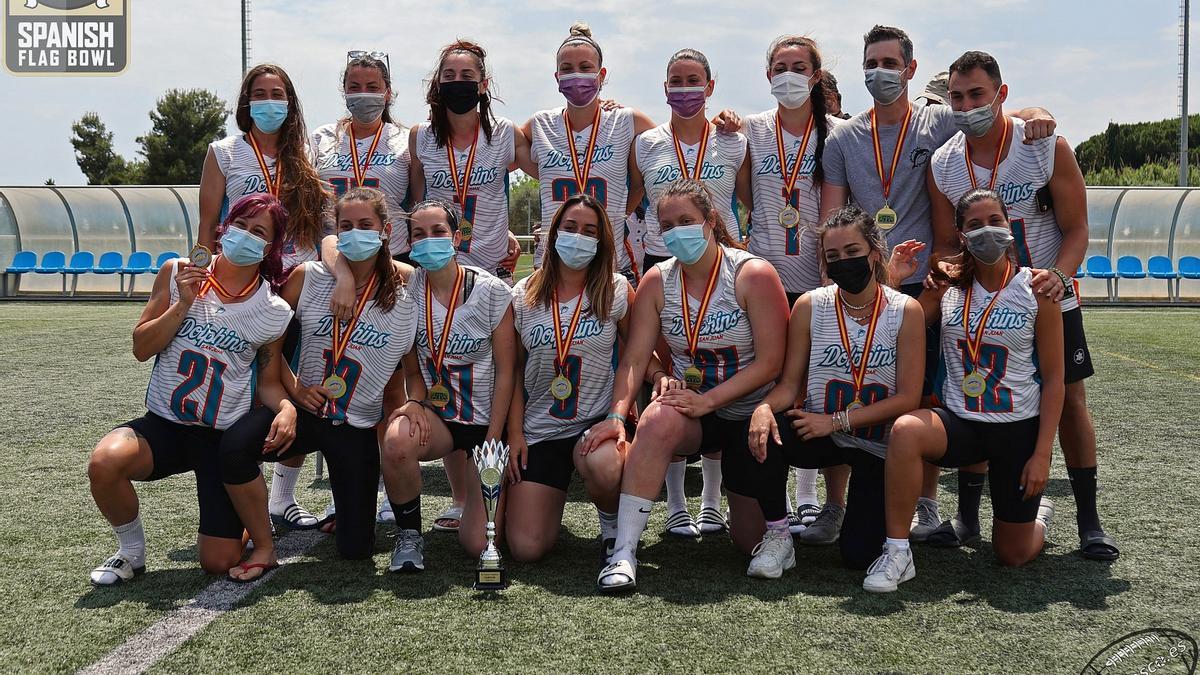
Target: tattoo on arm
[{"x": 264, "y": 356}]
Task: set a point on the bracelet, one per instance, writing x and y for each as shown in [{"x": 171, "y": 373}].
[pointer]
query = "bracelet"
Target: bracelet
[
  {"x": 1068, "y": 287},
  {"x": 842, "y": 419},
  {"x": 615, "y": 416}
]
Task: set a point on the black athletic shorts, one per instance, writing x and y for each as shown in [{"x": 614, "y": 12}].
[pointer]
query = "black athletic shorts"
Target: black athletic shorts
[
  {"x": 933, "y": 342},
  {"x": 650, "y": 260},
  {"x": 1077, "y": 359},
  {"x": 718, "y": 434},
  {"x": 180, "y": 448},
  {"x": 1006, "y": 446},
  {"x": 466, "y": 436}
]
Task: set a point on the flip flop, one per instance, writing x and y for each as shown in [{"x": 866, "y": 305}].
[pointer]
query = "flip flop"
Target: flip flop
[
  {"x": 453, "y": 514},
  {"x": 1097, "y": 545},
  {"x": 246, "y": 567}
]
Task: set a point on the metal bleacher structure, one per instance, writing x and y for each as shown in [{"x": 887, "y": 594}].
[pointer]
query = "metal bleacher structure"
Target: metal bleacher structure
[{"x": 101, "y": 241}]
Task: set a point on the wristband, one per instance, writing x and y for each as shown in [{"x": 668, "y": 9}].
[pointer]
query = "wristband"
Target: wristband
[
  {"x": 615, "y": 416},
  {"x": 1068, "y": 287}
]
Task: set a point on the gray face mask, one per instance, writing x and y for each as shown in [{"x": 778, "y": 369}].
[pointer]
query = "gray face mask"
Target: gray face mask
[
  {"x": 886, "y": 86},
  {"x": 366, "y": 108},
  {"x": 989, "y": 243},
  {"x": 977, "y": 121}
]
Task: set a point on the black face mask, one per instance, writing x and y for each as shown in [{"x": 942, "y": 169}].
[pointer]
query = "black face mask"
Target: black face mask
[
  {"x": 460, "y": 96},
  {"x": 851, "y": 274}
]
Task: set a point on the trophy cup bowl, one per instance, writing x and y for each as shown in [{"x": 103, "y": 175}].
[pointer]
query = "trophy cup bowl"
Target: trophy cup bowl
[{"x": 491, "y": 459}]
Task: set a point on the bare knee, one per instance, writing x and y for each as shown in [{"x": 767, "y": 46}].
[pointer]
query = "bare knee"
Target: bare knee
[
  {"x": 906, "y": 438},
  {"x": 601, "y": 467},
  {"x": 114, "y": 457},
  {"x": 400, "y": 442},
  {"x": 661, "y": 426},
  {"x": 528, "y": 547},
  {"x": 219, "y": 560},
  {"x": 1011, "y": 555}
]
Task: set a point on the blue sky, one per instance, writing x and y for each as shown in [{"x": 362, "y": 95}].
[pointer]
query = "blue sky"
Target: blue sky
[{"x": 1087, "y": 62}]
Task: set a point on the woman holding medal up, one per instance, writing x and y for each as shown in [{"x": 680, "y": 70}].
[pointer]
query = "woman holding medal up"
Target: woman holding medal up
[
  {"x": 726, "y": 351},
  {"x": 205, "y": 328},
  {"x": 584, "y": 148},
  {"x": 689, "y": 146},
  {"x": 855, "y": 356},
  {"x": 569, "y": 315},
  {"x": 464, "y": 354},
  {"x": 1001, "y": 383},
  {"x": 345, "y": 370}
]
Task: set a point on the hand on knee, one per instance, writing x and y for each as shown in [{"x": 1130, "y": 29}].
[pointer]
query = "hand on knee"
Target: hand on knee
[
  {"x": 398, "y": 446},
  {"x": 661, "y": 426}
]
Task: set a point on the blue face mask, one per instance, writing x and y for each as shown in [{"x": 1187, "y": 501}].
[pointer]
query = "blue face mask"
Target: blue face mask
[
  {"x": 242, "y": 248},
  {"x": 432, "y": 253},
  {"x": 359, "y": 245},
  {"x": 686, "y": 242},
  {"x": 268, "y": 116},
  {"x": 575, "y": 250}
]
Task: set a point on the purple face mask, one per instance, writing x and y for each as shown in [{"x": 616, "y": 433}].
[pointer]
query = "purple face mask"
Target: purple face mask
[
  {"x": 579, "y": 89},
  {"x": 687, "y": 102}
]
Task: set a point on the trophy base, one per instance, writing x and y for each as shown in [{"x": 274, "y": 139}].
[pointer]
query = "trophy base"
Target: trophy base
[{"x": 490, "y": 579}]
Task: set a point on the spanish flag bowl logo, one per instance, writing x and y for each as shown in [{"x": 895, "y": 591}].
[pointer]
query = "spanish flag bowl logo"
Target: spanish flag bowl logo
[{"x": 66, "y": 37}]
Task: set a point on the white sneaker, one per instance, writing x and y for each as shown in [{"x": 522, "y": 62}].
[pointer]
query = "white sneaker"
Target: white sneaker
[
  {"x": 385, "y": 515},
  {"x": 925, "y": 519},
  {"x": 116, "y": 570},
  {"x": 892, "y": 568},
  {"x": 773, "y": 556}
]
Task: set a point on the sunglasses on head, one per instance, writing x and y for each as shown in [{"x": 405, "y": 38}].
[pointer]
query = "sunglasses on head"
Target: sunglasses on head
[{"x": 378, "y": 56}]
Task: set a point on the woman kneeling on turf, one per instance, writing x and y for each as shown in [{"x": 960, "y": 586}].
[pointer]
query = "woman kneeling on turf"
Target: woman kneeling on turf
[
  {"x": 721, "y": 312},
  {"x": 569, "y": 314},
  {"x": 855, "y": 361},
  {"x": 204, "y": 327},
  {"x": 1001, "y": 383},
  {"x": 345, "y": 368},
  {"x": 464, "y": 353}
]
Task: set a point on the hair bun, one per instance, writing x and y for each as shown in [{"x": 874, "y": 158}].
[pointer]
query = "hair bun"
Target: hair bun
[{"x": 580, "y": 28}]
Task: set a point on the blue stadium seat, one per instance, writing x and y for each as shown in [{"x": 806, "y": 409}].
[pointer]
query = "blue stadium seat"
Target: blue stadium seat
[
  {"x": 139, "y": 263},
  {"x": 1159, "y": 267},
  {"x": 81, "y": 263},
  {"x": 22, "y": 263},
  {"x": 1130, "y": 267},
  {"x": 162, "y": 258},
  {"x": 111, "y": 262},
  {"x": 1100, "y": 267},
  {"x": 53, "y": 262},
  {"x": 1079, "y": 273},
  {"x": 1189, "y": 268}
]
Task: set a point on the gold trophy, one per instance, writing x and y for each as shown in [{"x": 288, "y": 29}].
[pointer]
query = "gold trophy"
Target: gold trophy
[{"x": 491, "y": 459}]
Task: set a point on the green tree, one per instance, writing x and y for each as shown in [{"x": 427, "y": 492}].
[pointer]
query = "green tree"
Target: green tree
[
  {"x": 524, "y": 205},
  {"x": 183, "y": 123},
  {"x": 95, "y": 155}
]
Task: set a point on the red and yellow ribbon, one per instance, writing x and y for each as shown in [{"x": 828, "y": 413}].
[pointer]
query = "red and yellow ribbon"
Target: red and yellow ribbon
[
  {"x": 859, "y": 370},
  {"x": 790, "y": 176},
  {"x": 211, "y": 282},
  {"x": 360, "y": 171},
  {"x": 974, "y": 343},
  {"x": 340, "y": 340},
  {"x": 699, "y": 153},
  {"x": 995, "y": 164},
  {"x": 692, "y": 332},
  {"x": 886, "y": 180},
  {"x": 562, "y": 343},
  {"x": 272, "y": 185},
  {"x": 462, "y": 189},
  {"x": 438, "y": 353}
]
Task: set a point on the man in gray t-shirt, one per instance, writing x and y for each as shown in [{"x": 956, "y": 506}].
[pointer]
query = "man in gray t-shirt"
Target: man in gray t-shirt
[{"x": 849, "y": 159}]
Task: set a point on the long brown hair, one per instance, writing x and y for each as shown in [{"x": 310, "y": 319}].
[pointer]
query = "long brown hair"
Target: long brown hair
[
  {"x": 701, "y": 198},
  {"x": 852, "y": 216},
  {"x": 300, "y": 189},
  {"x": 388, "y": 275},
  {"x": 439, "y": 118},
  {"x": 816, "y": 94},
  {"x": 962, "y": 263},
  {"x": 539, "y": 290}
]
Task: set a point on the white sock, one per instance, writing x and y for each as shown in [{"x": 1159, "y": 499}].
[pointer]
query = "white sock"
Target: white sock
[
  {"x": 632, "y": 516},
  {"x": 131, "y": 540},
  {"x": 806, "y": 486},
  {"x": 608, "y": 524},
  {"x": 901, "y": 544},
  {"x": 676, "y": 499},
  {"x": 710, "y": 495},
  {"x": 788, "y": 501},
  {"x": 283, "y": 488}
]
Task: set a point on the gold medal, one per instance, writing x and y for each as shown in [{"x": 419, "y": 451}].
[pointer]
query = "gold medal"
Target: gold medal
[
  {"x": 465, "y": 229},
  {"x": 885, "y": 218},
  {"x": 560, "y": 388},
  {"x": 974, "y": 384},
  {"x": 693, "y": 378},
  {"x": 200, "y": 255},
  {"x": 854, "y": 405},
  {"x": 789, "y": 217},
  {"x": 439, "y": 395},
  {"x": 336, "y": 386}
]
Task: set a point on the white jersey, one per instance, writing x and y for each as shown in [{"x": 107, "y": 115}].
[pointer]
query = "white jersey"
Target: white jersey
[
  {"x": 243, "y": 176},
  {"x": 1007, "y": 356},
  {"x": 380, "y": 339},
  {"x": 608, "y": 179},
  {"x": 206, "y": 374},
  {"x": 1025, "y": 170},
  {"x": 831, "y": 375},
  {"x": 590, "y": 363},
  {"x": 468, "y": 369},
  {"x": 659, "y": 164},
  {"x": 726, "y": 343},
  {"x": 386, "y": 172},
  {"x": 487, "y": 199},
  {"x": 793, "y": 251}
]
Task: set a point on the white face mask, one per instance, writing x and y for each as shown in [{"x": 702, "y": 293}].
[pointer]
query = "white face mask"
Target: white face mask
[{"x": 790, "y": 89}]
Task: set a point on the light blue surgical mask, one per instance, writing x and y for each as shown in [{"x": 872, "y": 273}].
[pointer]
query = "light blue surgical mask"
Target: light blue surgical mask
[
  {"x": 575, "y": 250},
  {"x": 359, "y": 245},
  {"x": 242, "y": 248},
  {"x": 268, "y": 116},
  {"x": 686, "y": 242},
  {"x": 432, "y": 253}
]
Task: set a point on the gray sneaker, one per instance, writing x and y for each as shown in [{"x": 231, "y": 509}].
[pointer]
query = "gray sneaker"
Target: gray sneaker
[
  {"x": 925, "y": 519},
  {"x": 409, "y": 552},
  {"x": 826, "y": 528}
]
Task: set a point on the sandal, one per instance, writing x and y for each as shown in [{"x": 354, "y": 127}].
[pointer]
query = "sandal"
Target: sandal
[
  {"x": 680, "y": 524},
  {"x": 246, "y": 567},
  {"x": 295, "y": 517},
  {"x": 1097, "y": 545},
  {"x": 453, "y": 515}
]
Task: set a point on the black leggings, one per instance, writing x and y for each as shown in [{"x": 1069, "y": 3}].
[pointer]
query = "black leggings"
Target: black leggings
[
  {"x": 351, "y": 453},
  {"x": 864, "y": 527}
]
